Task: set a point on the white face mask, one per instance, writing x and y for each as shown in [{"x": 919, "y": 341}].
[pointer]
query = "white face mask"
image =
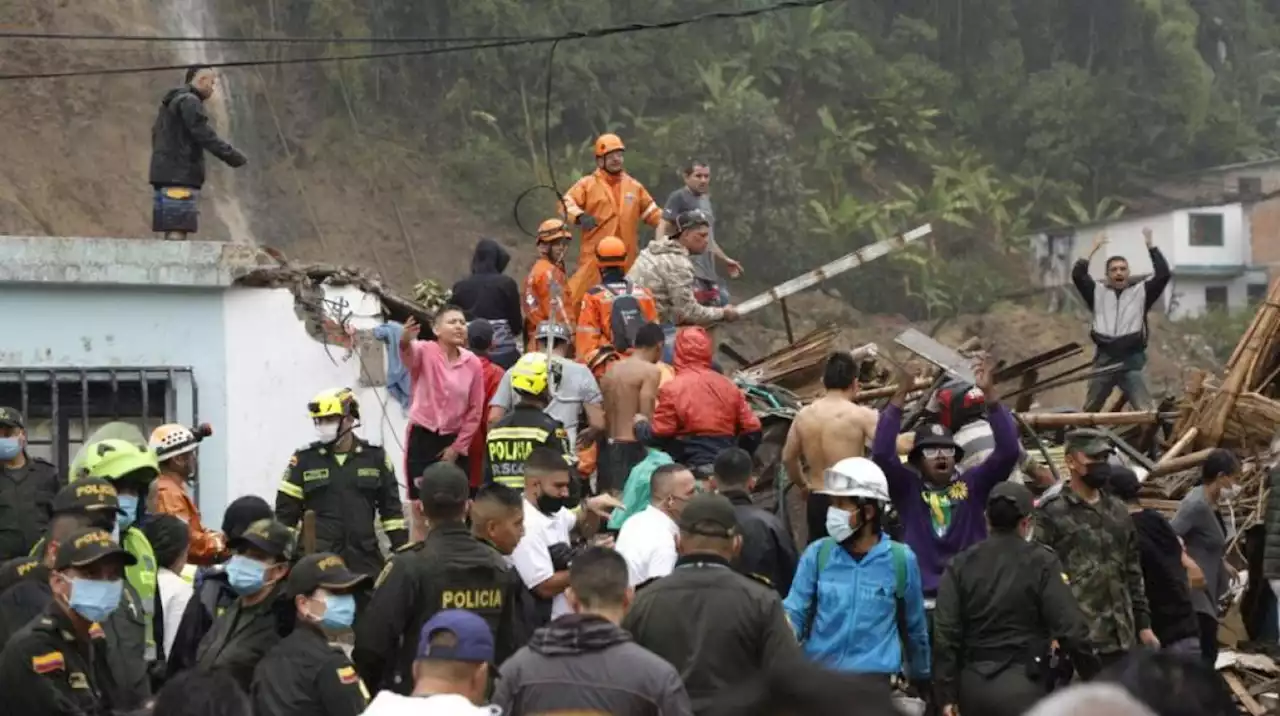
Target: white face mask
[
  {"x": 838, "y": 526},
  {"x": 327, "y": 432}
]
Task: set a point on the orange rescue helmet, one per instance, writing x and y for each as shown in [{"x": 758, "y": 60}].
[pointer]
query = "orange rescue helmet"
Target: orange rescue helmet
[
  {"x": 553, "y": 230},
  {"x": 606, "y": 143},
  {"x": 611, "y": 251}
]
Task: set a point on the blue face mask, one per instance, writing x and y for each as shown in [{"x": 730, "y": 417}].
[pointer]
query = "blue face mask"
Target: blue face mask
[
  {"x": 128, "y": 511},
  {"x": 10, "y": 448},
  {"x": 94, "y": 599},
  {"x": 339, "y": 612},
  {"x": 245, "y": 575}
]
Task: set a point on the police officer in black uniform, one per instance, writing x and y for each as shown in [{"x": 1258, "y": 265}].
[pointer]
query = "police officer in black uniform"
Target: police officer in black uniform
[
  {"x": 59, "y": 663},
  {"x": 1000, "y": 604},
  {"x": 450, "y": 569},
  {"x": 346, "y": 481},
  {"x": 27, "y": 488},
  {"x": 90, "y": 502},
  {"x": 305, "y": 675},
  {"x": 526, "y": 427}
]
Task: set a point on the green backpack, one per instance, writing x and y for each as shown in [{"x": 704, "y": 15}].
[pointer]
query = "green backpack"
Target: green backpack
[{"x": 898, "y": 552}]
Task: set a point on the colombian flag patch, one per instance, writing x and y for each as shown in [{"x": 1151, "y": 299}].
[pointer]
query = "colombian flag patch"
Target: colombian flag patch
[
  {"x": 96, "y": 632},
  {"x": 48, "y": 663},
  {"x": 347, "y": 675}
]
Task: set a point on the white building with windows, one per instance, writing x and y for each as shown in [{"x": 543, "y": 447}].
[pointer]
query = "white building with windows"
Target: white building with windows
[{"x": 153, "y": 331}]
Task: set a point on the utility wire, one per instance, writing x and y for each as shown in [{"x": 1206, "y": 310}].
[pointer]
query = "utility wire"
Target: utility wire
[
  {"x": 426, "y": 52},
  {"x": 264, "y": 40}
]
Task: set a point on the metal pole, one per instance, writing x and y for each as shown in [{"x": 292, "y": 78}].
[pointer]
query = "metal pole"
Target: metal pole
[{"x": 786, "y": 320}]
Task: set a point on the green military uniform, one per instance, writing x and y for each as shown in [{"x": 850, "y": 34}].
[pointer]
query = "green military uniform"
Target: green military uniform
[
  {"x": 346, "y": 490},
  {"x": 1000, "y": 604},
  {"x": 512, "y": 438},
  {"x": 1098, "y": 547}
]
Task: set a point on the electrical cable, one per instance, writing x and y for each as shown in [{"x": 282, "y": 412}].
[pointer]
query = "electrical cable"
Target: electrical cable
[
  {"x": 426, "y": 52},
  {"x": 282, "y": 40}
]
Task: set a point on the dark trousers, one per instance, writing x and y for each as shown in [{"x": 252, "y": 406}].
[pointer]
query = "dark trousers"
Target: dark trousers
[
  {"x": 816, "y": 516},
  {"x": 424, "y": 451},
  {"x": 1208, "y": 638},
  {"x": 1007, "y": 693},
  {"x": 616, "y": 459}
]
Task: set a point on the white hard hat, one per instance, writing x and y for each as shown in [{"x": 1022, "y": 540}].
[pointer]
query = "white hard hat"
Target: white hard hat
[
  {"x": 172, "y": 440},
  {"x": 855, "y": 477}
]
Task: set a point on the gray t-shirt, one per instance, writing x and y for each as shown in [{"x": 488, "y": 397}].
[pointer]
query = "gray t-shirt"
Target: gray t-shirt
[
  {"x": 1205, "y": 536},
  {"x": 680, "y": 201},
  {"x": 577, "y": 387}
]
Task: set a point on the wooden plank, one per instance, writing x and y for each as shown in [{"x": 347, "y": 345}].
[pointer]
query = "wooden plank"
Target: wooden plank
[
  {"x": 1180, "y": 447},
  {"x": 1250, "y": 704}
]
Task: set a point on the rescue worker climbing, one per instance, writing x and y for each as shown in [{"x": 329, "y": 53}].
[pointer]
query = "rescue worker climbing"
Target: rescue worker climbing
[
  {"x": 613, "y": 310},
  {"x": 545, "y": 294},
  {"x": 526, "y": 427},
  {"x": 699, "y": 412},
  {"x": 175, "y": 447},
  {"x": 607, "y": 202},
  {"x": 346, "y": 480}
]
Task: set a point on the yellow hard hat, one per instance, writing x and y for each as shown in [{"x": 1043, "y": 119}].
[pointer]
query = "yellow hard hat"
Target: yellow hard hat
[
  {"x": 334, "y": 403},
  {"x": 121, "y": 460},
  {"x": 529, "y": 374},
  {"x": 606, "y": 143}
]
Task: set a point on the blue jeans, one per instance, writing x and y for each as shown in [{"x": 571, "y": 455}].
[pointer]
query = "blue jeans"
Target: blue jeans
[
  {"x": 668, "y": 343},
  {"x": 175, "y": 209}
]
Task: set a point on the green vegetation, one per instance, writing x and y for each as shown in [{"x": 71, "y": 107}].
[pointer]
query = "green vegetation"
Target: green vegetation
[{"x": 828, "y": 128}]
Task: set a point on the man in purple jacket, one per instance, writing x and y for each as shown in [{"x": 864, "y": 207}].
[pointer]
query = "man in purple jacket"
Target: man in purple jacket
[{"x": 942, "y": 511}]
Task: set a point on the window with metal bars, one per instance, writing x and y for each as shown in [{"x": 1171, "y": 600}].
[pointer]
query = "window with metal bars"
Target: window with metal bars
[{"x": 64, "y": 406}]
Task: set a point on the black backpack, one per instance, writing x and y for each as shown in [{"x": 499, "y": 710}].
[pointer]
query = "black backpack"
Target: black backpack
[{"x": 626, "y": 317}]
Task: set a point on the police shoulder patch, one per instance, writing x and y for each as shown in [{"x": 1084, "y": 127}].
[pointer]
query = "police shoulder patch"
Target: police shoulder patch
[
  {"x": 382, "y": 576},
  {"x": 48, "y": 663},
  {"x": 95, "y": 629},
  {"x": 77, "y": 680},
  {"x": 347, "y": 675},
  {"x": 761, "y": 579},
  {"x": 408, "y": 547}
]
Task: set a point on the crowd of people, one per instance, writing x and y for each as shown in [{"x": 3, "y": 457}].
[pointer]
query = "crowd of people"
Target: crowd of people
[{"x": 575, "y": 527}]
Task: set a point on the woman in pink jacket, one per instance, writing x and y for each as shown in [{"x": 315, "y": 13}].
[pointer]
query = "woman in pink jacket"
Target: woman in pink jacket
[{"x": 448, "y": 394}]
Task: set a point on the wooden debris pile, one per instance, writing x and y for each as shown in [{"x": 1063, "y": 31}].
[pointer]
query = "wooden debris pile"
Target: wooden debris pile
[
  {"x": 797, "y": 367},
  {"x": 1254, "y": 680}
]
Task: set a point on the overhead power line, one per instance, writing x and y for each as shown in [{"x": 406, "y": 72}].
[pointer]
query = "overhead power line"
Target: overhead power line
[
  {"x": 426, "y": 52},
  {"x": 263, "y": 40}
]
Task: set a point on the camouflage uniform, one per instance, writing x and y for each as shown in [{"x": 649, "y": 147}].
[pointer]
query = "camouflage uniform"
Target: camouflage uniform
[
  {"x": 666, "y": 269},
  {"x": 1098, "y": 547}
]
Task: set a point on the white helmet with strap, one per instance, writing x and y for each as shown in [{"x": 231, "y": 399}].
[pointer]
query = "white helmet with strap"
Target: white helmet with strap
[{"x": 855, "y": 477}]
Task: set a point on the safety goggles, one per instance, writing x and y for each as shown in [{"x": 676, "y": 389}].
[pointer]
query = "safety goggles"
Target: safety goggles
[{"x": 933, "y": 453}]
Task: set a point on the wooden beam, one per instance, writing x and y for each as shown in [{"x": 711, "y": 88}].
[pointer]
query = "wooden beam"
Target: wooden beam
[
  {"x": 1181, "y": 446},
  {"x": 1178, "y": 464},
  {"x": 1082, "y": 420},
  {"x": 1237, "y": 687}
]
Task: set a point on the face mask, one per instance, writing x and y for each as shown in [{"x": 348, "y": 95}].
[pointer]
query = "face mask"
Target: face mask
[
  {"x": 327, "y": 432},
  {"x": 838, "y": 526},
  {"x": 128, "y": 512},
  {"x": 95, "y": 600},
  {"x": 1230, "y": 493},
  {"x": 1096, "y": 474},
  {"x": 10, "y": 448},
  {"x": 549, "y": 505},
  {"x": 339, "y": 612},
  {"x": 245, "y": 575}
]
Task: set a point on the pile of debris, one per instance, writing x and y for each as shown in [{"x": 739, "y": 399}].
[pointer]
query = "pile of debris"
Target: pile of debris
[{"x": 1253, "y": 679}]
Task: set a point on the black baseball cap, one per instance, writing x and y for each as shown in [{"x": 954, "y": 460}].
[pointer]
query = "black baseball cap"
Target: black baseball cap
[
  {"x": 472, "y": 639},
  {"x": 84, "y": 547},
  {"x": 709, "y": 515},
  {"x": 88, "y": 494},
  {"x": 12, "y": 417},
  {"x": 16, "y": 570},
  {"x": 1013, "y": 492},
  {"x": 323, "y": 569},
  {"x": 269, "y": 536},
  {"x": 444, "y": 484}
]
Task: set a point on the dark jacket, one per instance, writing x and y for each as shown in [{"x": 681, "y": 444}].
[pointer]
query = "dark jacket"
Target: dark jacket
[
  {"x": 211, "y": 597},
  {"x": 1121, "y": 347},
  {"x": 126, "y": 633},
  {"x": 582, "y": 663},
  {"x": 768, "y": 551},
  {"x": 23, "y": 601},
  {"x": 26, "y": 504},
  {"x": 305, "y": 675},
  {"x": 1271, "y": 553},
  {"x": 717, "y": 627},
  {"x": 242, "y": 635},
  {"x": 180, "y": 137},
  {"x": 450, "y": 569},
  {"x": 1165, "y": 579},
  {"x": 1000, "y": 603},
  {"x": 488, "y": 293},
  {"x": 48, "y": 671},
  {"x": 510, "y": 440}
]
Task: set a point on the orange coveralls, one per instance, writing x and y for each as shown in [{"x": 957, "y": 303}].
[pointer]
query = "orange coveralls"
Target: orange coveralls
[
  {"x": 544, "y": 286},
  {"x": 171, "y": 499},
  {"x": 595, "y": 317},
  {"x": 619, "y": 203}
]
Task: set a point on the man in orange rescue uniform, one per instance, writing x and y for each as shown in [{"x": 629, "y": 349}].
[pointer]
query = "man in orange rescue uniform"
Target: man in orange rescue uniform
[
  {"x": 544, "y": 289},
  {"x": 175, "y": 447},
  {"x": 607, "y": 202},
  {"x": 614, "y": 309}
]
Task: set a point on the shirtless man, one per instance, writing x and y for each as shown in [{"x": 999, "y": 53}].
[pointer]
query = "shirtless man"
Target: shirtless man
[
  {"x": 630, "y": 388},
  {"x": 824, "y": 432}
]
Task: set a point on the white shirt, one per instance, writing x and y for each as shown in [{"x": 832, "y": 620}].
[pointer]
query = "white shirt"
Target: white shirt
[
  {"x": 532, "y": 558},
  {"x": 175, "y": 592},
  {"x": 388, "y": 703},
  {"x": 648, "y": 542}
]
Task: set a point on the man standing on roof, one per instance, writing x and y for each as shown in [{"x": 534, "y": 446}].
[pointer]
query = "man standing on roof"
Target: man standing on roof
[
  {"x": 27, "y": 487},
  {"x": 346, "y": 481},
  {"x": 175, "y": 447},
  {"x": 607, "y": 202},
  {"x": 613, "y": 311},
  {"x": 545, "y": 293},
  {"x": 179, "y": 138},
  {"x": 1119, "y": 328},
  {"x": 491, "y": 295}
]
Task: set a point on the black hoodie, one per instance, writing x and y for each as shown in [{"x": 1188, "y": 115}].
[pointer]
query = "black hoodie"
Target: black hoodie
[
  {"x": 488, "y": 293},
  {"x": 584, "y": 663},
  {"x": 180, "y": 137},
  {"x": 1168, "y": 591}
]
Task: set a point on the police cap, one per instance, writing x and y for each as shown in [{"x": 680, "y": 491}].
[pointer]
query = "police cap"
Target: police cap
[
  {"x": 270, "y": 536},
  {"x": 12, "y": 418},
  {"x": 709, "y": 515},
  {"x": 85, "y": 547},
  {"x": 1015, "y": 493},
  {"x": 323, "y": 569},
  {"x": 444, "y": 485},
  {"x": 88, "y": 494},
  {"x": 16, "y": 570}
]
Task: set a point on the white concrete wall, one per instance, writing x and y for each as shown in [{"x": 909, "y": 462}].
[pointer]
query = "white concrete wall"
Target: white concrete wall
[
  {"x": 1235, "y": 239},
  {"x": 273, "y": 369},
  {"x": 1187, "y": 293}
]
